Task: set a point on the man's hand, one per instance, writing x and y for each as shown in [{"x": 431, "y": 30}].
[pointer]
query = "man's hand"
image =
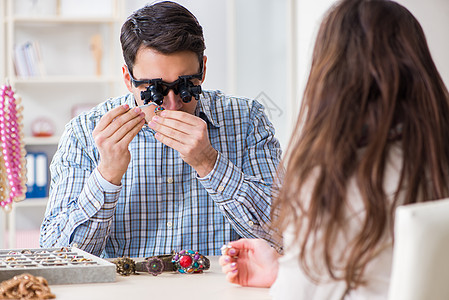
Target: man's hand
[
  {"x": 112, "y": 136},
  {"x": 250, "y": 262},
  {"x": 188, "y": 135}
]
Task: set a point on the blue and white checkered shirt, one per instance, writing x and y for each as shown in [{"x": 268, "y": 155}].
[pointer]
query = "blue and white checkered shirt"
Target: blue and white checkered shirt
[{"x": 162, "y": 204}]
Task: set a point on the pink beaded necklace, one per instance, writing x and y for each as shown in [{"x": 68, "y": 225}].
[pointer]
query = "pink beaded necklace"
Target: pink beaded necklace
[{"x": 12, "y": 160}]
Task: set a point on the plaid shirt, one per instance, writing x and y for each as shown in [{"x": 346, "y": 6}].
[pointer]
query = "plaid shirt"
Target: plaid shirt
[{"x": 162, "y": 204}]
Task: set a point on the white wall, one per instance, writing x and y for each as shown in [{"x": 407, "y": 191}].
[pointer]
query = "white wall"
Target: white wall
[
  {"x": 432, "y": 14},
  {"x": 309, "y": 16},
  {"x": 434, "y": 18},
  {"x": 262, "y": 58}
]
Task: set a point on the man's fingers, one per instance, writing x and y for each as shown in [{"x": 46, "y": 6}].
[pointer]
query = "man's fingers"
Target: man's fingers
[
  {"x": 174, "y": 129},
  {"x": 169, "y": 142},
  {"x": 179, "y": 115},
  {"x": 177, "y": 123},
  {"x": 178, "y": 130},
  {"x": 128, "y": 137},
  {"x": 119, "y": 126},
  {"x": 130, "y": 125},
  {"x": 111, "y": 115}
]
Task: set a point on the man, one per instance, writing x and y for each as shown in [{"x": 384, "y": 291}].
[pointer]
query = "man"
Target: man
[{"x": 134, "y": 181}]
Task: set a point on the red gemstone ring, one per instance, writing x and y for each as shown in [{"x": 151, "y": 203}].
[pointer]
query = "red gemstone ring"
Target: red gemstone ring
[
  {"x": 189, "y": 261},
  {"x": 158, "y": 109}
]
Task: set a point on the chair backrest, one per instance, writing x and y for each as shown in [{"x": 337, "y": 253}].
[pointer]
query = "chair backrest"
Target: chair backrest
[{"x": 420, "y": 268}]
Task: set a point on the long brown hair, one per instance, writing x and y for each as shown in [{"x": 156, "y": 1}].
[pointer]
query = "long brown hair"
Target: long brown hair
[{"x": 372, "y": 84}]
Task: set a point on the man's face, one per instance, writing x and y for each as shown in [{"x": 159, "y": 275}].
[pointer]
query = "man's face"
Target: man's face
[{"x": 151, "y": 64}]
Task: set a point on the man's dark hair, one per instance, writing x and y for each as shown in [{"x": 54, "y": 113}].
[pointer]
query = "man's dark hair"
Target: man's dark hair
[{"x": 166, "y": 27}]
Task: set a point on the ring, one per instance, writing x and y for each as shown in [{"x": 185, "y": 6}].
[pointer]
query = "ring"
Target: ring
[
  {"x": 158, "y": 109},
  {"x": 189, "y": 261},
  {"x": 125, "y": 266},
  {"x": 62, "y": 249},
  {"x": 154, "y": 266}
]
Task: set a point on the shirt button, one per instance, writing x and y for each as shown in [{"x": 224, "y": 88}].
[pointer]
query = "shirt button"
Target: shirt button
[
  {"x": 251, "y": 223},
  {"x": 221, "y": 188},
  {"x": 170, "y": 180},
  {"x": 97, "y": 205},
  {"x": 75, "y": 245},
  {"x": 169, "y": 224}
]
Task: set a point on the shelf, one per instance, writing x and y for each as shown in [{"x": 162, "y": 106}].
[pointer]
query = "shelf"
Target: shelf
[
  {"x": 32, "y": 140},
  {"x": 31, "y": 202},
  {"x": 63, "y": 79},
  {"x": 59, "y": 20}
]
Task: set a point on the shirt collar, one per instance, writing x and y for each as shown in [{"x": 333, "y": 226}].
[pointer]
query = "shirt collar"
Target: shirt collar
[
  {"x": 203, "y": 110},
  {"x": 130, "y": 100}
]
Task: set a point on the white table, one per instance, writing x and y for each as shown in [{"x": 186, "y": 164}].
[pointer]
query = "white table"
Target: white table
[{"x": 211, "y": 284}]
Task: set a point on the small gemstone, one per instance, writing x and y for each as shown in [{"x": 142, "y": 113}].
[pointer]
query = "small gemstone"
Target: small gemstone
[{"x": 185, "y": 261}]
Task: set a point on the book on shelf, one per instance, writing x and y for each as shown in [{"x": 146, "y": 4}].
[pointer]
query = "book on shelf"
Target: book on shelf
[
  {"x": 28, "y": 60},
  {"x": 37, "y": 179}
]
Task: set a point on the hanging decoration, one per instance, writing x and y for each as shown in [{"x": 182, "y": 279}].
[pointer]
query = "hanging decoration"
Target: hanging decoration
[{"x": 12, "y": 158}]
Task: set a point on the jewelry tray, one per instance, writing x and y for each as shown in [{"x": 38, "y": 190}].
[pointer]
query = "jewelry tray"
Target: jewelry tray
[{"x": 57, "y": 265}]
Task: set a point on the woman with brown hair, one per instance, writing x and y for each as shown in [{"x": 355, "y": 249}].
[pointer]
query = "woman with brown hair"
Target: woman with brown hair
[{"x": 372, "y": 134}]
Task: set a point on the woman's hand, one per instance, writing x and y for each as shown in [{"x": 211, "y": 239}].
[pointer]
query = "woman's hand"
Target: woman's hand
[{"x": 250, "y": 262}]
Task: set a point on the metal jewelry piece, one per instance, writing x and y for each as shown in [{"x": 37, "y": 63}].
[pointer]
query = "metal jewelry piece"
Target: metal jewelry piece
[
  {"x": 158, "y": 109},
  {"x": 25, "y": 286},
  {"x": 188, "y": 262},
  {"x": 224, "y": 249},
  {"x": 148, "y": 104},
  {"x": 125, "y": 266},
  {"x": 155, "y": 265},
  {"x": 185, "y": 262}
]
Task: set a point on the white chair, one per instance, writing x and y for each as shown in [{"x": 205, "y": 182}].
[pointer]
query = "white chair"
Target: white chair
[{"x": 420, "y": 268}]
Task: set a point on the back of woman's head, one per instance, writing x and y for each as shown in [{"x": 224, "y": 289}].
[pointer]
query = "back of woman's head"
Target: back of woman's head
[
  {"x": 372, "y": 70},
  {"x": 372, "y": 84}
]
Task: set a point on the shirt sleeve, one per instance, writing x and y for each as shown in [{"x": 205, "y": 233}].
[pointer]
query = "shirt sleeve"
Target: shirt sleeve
[
  {"x": 244, "y": 195},
  {"x": 81, "y": 206}
]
